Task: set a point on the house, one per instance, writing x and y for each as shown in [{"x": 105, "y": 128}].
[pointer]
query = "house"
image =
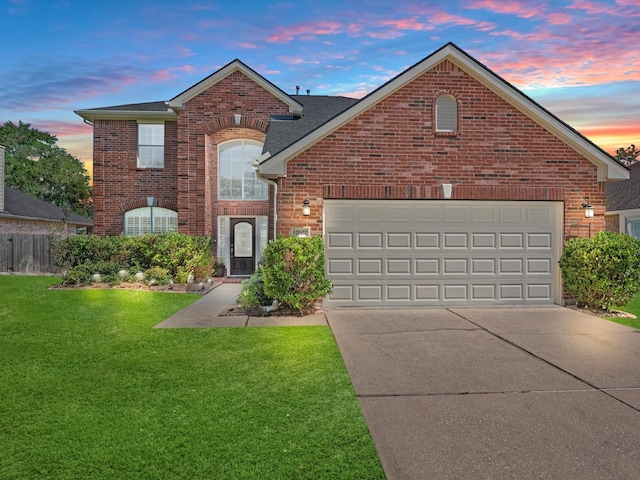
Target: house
[
  {"x": 444, "y": 186},
  {"x": 623, "y": 204},
  {"x": 25, "y": 224}
]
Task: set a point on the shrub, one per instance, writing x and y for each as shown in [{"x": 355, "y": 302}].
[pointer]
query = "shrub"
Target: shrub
[
  {"x": 602, "y": 271},
  {"x": 158, "y": 275},
  {"x": 293, "y": 271},
  {"x": 181, "y": 255},
  {"x": 252, "y": 294}
]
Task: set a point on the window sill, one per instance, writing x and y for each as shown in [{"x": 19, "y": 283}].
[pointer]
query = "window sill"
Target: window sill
[
  {"x": 156, "y": 169},
  {"x": 443, "y": 133}
]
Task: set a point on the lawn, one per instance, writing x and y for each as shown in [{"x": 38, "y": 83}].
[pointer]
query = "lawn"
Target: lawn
[
  {"x": 89, "y": 390},
  {"x": 632, "y": 307}
]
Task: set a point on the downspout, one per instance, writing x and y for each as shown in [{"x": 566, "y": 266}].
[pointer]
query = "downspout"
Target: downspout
[{"x": 256, "y": 167}]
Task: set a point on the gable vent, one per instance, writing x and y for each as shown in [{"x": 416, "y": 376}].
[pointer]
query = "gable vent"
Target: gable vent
[{"x": 446, "y": 114}]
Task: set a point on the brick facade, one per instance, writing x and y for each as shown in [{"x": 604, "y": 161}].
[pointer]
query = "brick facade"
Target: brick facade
[{"x": 392, "y": 151}]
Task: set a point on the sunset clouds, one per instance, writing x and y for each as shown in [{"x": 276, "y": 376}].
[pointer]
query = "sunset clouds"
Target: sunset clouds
[{"x": 81, "y": 54}]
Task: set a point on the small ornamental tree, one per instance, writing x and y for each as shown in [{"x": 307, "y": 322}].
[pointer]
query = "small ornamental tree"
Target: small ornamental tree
[
  {"x": 293, "y": 272},
  {"x": 602, "y": 271}
]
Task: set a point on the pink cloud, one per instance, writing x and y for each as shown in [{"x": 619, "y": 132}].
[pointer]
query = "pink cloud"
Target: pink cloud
[
  {"x": 522, "y": 9},
  {"x": 406, "y": 24},
  {"x": 305, "y": 31},
  {"x": 247, "y": 45}
]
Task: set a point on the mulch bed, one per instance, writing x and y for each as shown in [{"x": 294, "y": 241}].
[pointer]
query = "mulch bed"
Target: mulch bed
[{"x": 187, "y": 288}]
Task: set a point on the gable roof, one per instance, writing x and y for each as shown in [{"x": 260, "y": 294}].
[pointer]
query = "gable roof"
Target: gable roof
[
  {"x": 273, "y": 164},
  {"x": 236, "y": 65},
  {"x": 21, "y": 205},
  {"x": 624, "y": 195}
]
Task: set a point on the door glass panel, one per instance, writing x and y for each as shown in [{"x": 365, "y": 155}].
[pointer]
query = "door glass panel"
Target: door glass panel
[{"x": 243, "y": 237}]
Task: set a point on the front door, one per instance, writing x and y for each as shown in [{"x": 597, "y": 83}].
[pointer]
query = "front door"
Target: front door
[{"x": 243, "y": 252}]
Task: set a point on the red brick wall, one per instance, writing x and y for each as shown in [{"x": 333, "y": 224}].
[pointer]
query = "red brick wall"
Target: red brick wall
[
  {"x": 392, "y": 151},
  {"x": 117, "y": 179},
  {"x": 236, "y": 94}
]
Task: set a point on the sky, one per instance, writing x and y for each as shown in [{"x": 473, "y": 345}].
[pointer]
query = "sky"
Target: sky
[{"x": 580, "y": 59}]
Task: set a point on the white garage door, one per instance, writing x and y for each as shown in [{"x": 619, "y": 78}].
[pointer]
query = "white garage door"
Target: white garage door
[{"x": 442, "y": 252}]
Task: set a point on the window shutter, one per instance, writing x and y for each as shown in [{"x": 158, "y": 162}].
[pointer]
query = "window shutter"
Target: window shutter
[{"x": 446, "y": 114}]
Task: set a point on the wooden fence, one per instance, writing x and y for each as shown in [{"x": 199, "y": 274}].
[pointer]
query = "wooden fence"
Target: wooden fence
[{"x": 25, "y": 253}]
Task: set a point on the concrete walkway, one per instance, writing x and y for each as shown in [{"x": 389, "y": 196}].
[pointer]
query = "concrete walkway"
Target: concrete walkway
[
  {"x": 209, "y": 311},
  {"x": 508, "y": 393}
]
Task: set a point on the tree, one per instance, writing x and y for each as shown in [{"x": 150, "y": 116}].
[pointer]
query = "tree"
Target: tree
[
  {"x": 628, "y": 156},
  {"x": 36, "y": 165}
]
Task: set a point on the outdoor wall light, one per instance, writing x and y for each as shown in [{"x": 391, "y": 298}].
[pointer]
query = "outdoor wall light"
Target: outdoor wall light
[
  {"x": 588, "y": 210},
  {"x": 306, "y": 209},
  {"x": 446, "y": 190}
]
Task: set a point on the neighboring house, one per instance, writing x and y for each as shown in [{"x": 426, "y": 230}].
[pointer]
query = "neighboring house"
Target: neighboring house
[
  {"x": 623, "y": 204},
  {"x": 445, "y": 186},
  {"x": 23, "y": 213},
  {"x": 26, "y": 223}
]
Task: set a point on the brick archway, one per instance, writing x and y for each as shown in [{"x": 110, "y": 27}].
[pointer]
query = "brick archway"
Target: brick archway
[{"x": 235, "y": 121}]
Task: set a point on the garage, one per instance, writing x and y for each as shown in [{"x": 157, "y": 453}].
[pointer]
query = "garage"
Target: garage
[{"x": 387, "y": 253}]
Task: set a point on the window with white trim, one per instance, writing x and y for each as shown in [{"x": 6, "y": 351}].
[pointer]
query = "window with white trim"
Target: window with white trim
[
  {"x": 151, "y": 145},
  {"x": 139, "y": 221},
  {"x": 446, "y": 114},
  {"x": 237, "y": 178},
  {"x": 633, "y": 227}
]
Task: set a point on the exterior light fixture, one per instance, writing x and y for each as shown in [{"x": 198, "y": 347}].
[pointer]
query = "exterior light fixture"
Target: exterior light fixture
[
  {"x": 588, "y": 210},
  {"x": 306, "y": 209},
  {"x": 150, "y": 201},
  {"x": 446, "y": 190}
]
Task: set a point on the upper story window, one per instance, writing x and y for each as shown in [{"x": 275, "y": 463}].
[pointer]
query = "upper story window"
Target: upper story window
[
  {"x": 237, "y": 178},
  {"x": 150, "y": 145},
  {"x": 446, "y": 114},
  {"x": 140, "y": 221}
]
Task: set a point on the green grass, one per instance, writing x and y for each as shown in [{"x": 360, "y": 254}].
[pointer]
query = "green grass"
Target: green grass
[
  {"x": 632, "y": 307},
  {"x": 89, "y": 390}
]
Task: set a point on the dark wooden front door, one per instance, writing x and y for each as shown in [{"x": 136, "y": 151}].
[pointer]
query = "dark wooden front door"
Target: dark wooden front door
[{"x": 243, "y": 252}]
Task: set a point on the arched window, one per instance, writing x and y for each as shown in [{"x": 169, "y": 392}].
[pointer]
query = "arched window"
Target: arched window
[
  {"x": 446, "y": 114},
  {"x": 236, "y": 177},
  {"x": 139, "y": 221}
]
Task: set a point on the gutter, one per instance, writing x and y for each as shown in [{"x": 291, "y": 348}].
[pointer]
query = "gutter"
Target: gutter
[{"x": 256, "y": 167}]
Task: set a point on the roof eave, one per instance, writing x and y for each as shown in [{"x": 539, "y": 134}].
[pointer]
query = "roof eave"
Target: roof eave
[
  {"x": 92, "y": 115},
  {"x": 608, "y": 169},
  {"x": 10, "y": 216}
]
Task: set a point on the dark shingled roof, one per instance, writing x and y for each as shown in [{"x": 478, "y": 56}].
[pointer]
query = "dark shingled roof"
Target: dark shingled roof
[
  {"x": 160, "y": 106},
  {"x": 625, "y": 194},
  {"x": 316, "y": 111},
  {"x": 23, "y": 205}
]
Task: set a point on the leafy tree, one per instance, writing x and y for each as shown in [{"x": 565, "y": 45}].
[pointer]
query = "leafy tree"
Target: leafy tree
[
  {"x": 628, "y": 156},
  {"x": 36, "y": 165}
]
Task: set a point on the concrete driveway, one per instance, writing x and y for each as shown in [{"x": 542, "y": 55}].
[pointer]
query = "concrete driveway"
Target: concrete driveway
[{"x": 508, "y": 393}]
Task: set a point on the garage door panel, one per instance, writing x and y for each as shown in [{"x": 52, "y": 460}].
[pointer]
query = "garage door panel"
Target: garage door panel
[
  {"x": 427, "y": 240},
  {"x": 539, "y": 240},
  {"x": 445, "y": 253},
  {"x": 340, "y": 240},
  {"x": 399, "y": 240}
]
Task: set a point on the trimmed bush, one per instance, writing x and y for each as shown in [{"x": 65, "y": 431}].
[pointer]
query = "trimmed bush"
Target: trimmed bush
[
  {"x": 602, "y": 271},
  {"x": 180, "y": 255},
  {"x": 293, "y": 271}
]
